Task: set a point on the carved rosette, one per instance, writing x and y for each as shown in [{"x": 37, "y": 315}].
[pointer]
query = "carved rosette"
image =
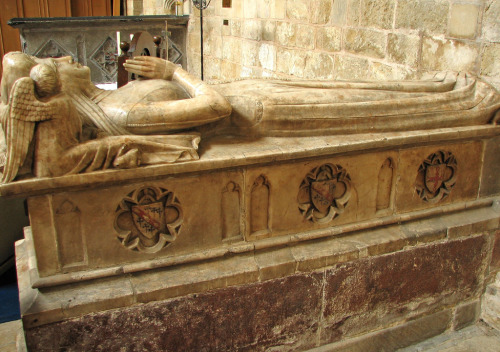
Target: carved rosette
[
  {"x": 324, "y": 193},
  {"x": 148, "y": 219},
  {"x": 436, "y": 176}
]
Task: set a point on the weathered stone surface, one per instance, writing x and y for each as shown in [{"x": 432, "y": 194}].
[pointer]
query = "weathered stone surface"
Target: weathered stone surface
[
  {"x": 329, "y": 39},
  {"x": 350, "y": 67},
  {"x": 267, "y": 57},
  {"x": 213, "y": 47},
  {"x": 298, "y": 10},
  {"x": 305, "y": 36},
  {"x": 278, "y": 312},
  {"x": 286, "y": 33},
  {"x": 252, "y": 29},
  {"x": 379, "y": 71},
  {"x": 495, "y": 257},
  {"x": 263, "y": 8},
  {"x": 490, "y": 63},
  {"x": 325, "y": 253},
  {"x": 424, "y": 231},
  {"x": 211, "y": 69},
  {"x": 321, "y": 11},
  {"x": 366, "y": 42},
  {"x": 268, "y": 30},
  {"x": 157, "y": 286},
  {"x": 353, "y": 12},
  {"x": 319, "y": 65},
  {"x": 235, "y": 25},
  {"x": 249, "y": 53},
  {"x": 339, "y": 12},
  {"x": 442, "y": 54},
  {"x": 466, "y": 314},
  {"x": 463, "y": 20},
  {"x": 230, "y": 70},
  {"x": 279, "y": 9},
  {"x": 394, "y": 338},
  {"x": 428, "y": 15},
  {"x": 491, "y": 21},
  {"x": 403, "y": 49},
  {"x": 291, "y": 62},
  {"x": 377, "y": 13},
  {"x": 356, "y": 293},
  {"x": 490, "y": 182},
  {"x": 231, "y": 49},
  {"x": 275, "y": 264},
  {"x": 249, "y": 9}
]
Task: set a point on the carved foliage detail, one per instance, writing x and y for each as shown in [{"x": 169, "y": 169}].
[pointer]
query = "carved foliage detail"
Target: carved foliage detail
[
  {"x": 259, "y": 208},
  {"x": 148, "y": 219},
  {"x": 324, "y": 193},
  {"x": 436, "y": 176}
]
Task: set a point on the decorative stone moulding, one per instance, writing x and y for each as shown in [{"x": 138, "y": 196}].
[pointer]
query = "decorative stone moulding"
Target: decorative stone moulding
[{"x": 267, "y": 193}]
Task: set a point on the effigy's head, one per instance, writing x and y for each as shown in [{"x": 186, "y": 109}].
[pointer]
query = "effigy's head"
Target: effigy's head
[
  {"x": 64, "y": 70},
  {"x": 69, "y": 69}
]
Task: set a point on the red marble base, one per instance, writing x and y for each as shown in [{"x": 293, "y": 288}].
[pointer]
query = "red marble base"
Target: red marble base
[{"x": 296, "y": 312}]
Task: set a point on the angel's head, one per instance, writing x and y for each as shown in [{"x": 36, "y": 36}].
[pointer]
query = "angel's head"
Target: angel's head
[
  {"x": 46, "y": 79},
  {"x": 72, "y": 76}
]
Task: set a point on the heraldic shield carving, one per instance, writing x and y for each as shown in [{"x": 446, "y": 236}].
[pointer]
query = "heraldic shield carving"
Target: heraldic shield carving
[
  {"x": 324, "y": 193},
  {"x": 436, "y": 176},
  {"x": 148, "y": 219}
]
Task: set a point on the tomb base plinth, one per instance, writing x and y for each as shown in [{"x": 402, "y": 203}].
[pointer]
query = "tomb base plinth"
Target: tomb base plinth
[{"x": 270, "y": 244}]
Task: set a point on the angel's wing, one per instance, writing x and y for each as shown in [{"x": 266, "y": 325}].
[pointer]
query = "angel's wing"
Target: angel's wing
[{"x": 25, "y": 110}]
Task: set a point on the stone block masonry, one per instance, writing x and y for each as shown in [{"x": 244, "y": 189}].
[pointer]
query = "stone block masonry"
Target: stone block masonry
[
  {"x": 393, "y": 287},
  {"x": 358, "y": 39}
]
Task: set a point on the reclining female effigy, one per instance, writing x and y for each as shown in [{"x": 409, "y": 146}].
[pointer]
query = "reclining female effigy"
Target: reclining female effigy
[
  {"x": 61, "y": 99},
  {"x": 374, "y": 160}
]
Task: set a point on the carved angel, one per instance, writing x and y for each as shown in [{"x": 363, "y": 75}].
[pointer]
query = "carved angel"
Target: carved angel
[
  {"x": 43, "y": 133},
  {"x": 25, "y": 108}
]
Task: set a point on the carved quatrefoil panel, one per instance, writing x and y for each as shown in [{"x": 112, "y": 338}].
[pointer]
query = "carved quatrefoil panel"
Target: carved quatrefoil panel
[
  {"x": 105, "y": 57},
  {"x": 436, "y": 176},
  {"x": 148, "y": 219},
  {"x": 324, "y": 193}
]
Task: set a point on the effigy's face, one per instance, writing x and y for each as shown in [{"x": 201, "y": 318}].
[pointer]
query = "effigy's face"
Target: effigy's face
[{"x": 69, "y": 69}]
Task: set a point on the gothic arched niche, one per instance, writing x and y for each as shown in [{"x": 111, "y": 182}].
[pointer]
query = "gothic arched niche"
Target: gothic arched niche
[
  {"x": 259, "y": 205},
  {"x": 70, "y": 240},
  {"x": 385, "y": 185},
  {"x": 230, "y": 211}
]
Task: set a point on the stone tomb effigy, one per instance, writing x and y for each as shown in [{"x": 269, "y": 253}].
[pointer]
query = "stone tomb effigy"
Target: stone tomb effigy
[{"x": 358, "y": 240}]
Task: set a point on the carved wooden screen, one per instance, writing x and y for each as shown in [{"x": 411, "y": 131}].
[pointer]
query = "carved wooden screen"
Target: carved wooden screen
[{"x": 9, "y": 37}]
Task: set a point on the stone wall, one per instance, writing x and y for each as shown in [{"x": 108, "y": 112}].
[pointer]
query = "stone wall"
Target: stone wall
[{"x": 347, "y": 39}]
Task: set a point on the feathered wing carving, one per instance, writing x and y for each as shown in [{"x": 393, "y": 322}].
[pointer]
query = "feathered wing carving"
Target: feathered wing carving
[{"x": 24, "y": 110}]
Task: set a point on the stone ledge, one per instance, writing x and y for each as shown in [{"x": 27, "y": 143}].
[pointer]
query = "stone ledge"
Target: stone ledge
[
  {"x": 214, "y": 155},
  {"x": 396, "y": 337},
  {"x": 46, "y": 305}
]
